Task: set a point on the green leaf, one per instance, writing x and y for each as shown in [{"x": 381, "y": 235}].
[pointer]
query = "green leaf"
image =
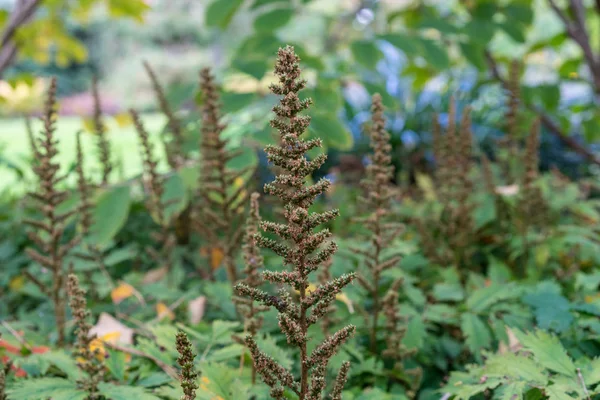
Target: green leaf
[
  {"x": 260, "y": 3},
  {"x": 332, "y": 131},
  {"x": 403, "y": 41},
  {"x": 521, "y": 12},
  {"x": 434, "y": 54},
  {"x": 116, "y": 364},
  {"x": 480, "y": 31},
  {"x": 279, "y": 354},
  {"x": 515, "y": 31},
  {"x": 273, "y": 20},
  {"x": 485, "y": 211},
  {"x": 64, "y": 362},
  {"x": 547, "y": 350},
  {"x": 226, "y": 353},
  {"x": 114, "y": 392},
  {"x": 366, "y": 53},
  {"x": 448, "y": 292},
  {"x": 551, "y": 309},
  {"x": 221, "y": 381},
  {"x": 109, "y": 214},
  {"x": 221, "y": 12},
  {"x": 233, "y": 102},
  {"x": 257, "y": 68},
  {"x": 415, "y": 333},
  {"x": 483, "y": 298},
  {"x": 45, "y": 388},
  {"x": 474, "y": 54},
  {"x": 477, "y": 334}
]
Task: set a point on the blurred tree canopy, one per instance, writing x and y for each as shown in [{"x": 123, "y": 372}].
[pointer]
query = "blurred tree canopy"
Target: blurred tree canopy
[{"x": 399, "y": 48}]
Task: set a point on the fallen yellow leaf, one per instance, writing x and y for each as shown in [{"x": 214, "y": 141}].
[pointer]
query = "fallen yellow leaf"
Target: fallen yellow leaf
[
  {"x": 162, "y": 310},
  {"x": 122, "y": 292},
  {"x": 216, "y": 257}
]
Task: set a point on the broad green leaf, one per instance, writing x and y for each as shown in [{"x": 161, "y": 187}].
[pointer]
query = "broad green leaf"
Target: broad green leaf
[
  {"x": 220, "y": 12},
  {"x": 521, "y": 12},
  {"x": 255, "y": 67},
  {"x": 115, "y": 392},
  {"x": 477, "y": 334},
  {"x": 474, "y": 54},
  {"x": 448, "y": 292},
  {"x": 366, "y": 52},
  {"x": 273, "y": 20},
  {"x": 332, "y": 131},
  {"x": 260, "y": 3},
  {"x": 548, "y": 351},
  {"x": 404, "y": 41},
  {"x": 233, "y": 102},
  {"x": 415, "y": 333},
  {"x": 109, "y": 214},
  {"x": 116, "y": 364},
  {"x": 434, "y": 54},
  {"x": 45, "y": 388},
  {"x": 279, "y": 354},
  {"x": 485, "y": 297}
]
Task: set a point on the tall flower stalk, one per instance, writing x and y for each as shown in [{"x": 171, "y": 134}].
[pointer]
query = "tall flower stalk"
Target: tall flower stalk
[
  {"x": 47, "y": 233},
  {"x": 377, "y": 203},
  {"x": 104, "y": 148},
  {"x": 303, "y": 249},
  {"x": 219, "y": 215},
  {"x": 88, "y": 360}
]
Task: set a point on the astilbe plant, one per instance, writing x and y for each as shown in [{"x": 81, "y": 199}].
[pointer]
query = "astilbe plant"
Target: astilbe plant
[
  {"x": 381, "y": 230},
  {"x": 174, "y": 149},
  {"x": 253, "y": 260},
  {"x": 89, "y": 360},
  {"x": 48, "y": 233},
  {"x": 104, "y": 148},
  {"x": 155, "y": 202},
  {"x": 188, "y": 375},
  {"x": 395, "y": 327},
  {"x": 4, "y": 369},
  {"x": 303, "y": 249},
  {"x": 223, "y": 194},
  {"x": 453, "y": 152}
]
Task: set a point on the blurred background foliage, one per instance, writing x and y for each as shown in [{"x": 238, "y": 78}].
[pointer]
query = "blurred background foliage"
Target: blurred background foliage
[{"x": 415, "y": 52}]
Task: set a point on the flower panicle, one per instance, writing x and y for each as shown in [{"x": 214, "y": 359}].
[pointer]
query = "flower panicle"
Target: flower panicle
[
  {"x": 303, "y": 250},
  {"x": 188, "y": 375},
  {"x": 89, "y": 361}
]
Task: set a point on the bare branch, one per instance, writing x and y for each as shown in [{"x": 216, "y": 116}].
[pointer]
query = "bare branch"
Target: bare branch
[{"x": 24, "y": 10}]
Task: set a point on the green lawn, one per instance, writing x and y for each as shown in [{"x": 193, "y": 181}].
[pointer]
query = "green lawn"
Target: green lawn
[{"x": 15, "y": 147}]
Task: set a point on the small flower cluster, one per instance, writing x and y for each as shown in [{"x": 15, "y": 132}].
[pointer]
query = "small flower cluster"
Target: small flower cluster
[
  {"x": 188, "y": 375},
  {"x": 302, "y": 248},
  {"x": 87, "y": 359}
]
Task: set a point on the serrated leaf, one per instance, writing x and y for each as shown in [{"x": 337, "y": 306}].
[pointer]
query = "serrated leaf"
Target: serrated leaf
[
  {"x": 109, "y": 215},
  {"x": 548, "y": 351},
  {"x": 115, "y": 392},
  {"x": 415, "y": 333},
  {"x": 45, "y": 388},
  {"x": 477, "y": 334}
]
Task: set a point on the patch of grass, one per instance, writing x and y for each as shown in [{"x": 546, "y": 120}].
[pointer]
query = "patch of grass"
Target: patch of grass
[{"x": 15, "y": 150}]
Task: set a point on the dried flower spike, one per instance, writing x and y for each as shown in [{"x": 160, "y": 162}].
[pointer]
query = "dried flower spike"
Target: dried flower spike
[
  {"x": 223, "y": 191},
  {"x": 88, "y": 360},
  {"x": 47, "y": 233},
  {"x": 301, "y": 248},
  {"x": 155, "y": 184},
  {"x": 185, "y": 360},
  {"x": 104, "y": 149},
  {"x": 247, "y": 308},
  {"x": 377, "y": 203},
  {"x": 175, "y": 149}
]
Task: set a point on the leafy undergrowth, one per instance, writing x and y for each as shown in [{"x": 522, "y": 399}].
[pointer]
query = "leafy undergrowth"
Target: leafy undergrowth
[{"x": 484, "y": 284}]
